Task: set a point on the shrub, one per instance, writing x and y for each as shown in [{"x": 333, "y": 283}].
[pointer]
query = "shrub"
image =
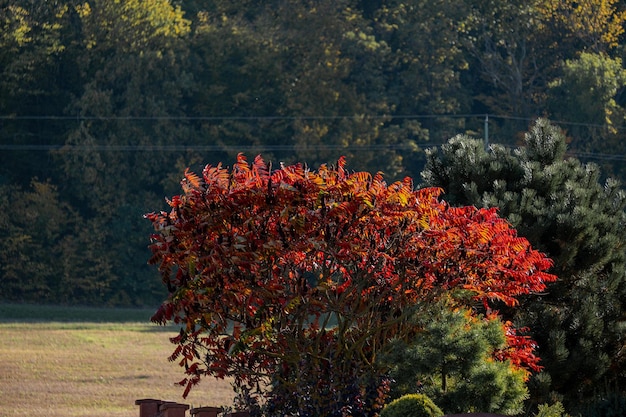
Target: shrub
[
  {"x": 459, "y": 363},
  {"x": 554, "y": 410},
  {"x": 412, "y": 405},
  {"x": 294, "y": 281}
]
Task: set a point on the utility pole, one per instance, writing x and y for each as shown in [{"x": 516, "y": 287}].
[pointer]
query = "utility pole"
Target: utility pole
[{"x": 486, "y": 132}]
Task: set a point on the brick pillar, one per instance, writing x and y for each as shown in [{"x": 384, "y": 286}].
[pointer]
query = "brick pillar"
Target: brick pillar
[
  {"x": 205, "y": 411},
  {"x": 148, "y": 407},
  {"x": 172, "y": 409}
]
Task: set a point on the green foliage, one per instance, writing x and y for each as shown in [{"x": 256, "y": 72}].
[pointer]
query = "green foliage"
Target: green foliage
[
  {"x": 586, "y": 93},
  {"x": 511, "y": 45},
  {"x": 589, "y": 83},
  {"x": 411, "y": 405},
  {"x": 452, "y": 361},
  {"x": 335, "y": 72},
  {"x": 554, "y": 410},
  {"x": 561, "y": 206},
  {"x": 131, "y": 26},
  {"x": 131, "y": 64},
  {"x": 35, "y": 79},
  {"x": 36, "y": 227},
  {"x": 136, "y": 85}
]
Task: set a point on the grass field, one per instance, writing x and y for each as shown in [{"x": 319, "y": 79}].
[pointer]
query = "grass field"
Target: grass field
[{"x": 74, "y": 362}]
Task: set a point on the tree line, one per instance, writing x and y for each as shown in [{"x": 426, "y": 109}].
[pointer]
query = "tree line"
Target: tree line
[{"x": 104, "y": 103}]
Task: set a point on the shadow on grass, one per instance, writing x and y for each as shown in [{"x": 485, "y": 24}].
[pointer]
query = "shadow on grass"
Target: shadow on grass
[{"x": 56, "y": 313}]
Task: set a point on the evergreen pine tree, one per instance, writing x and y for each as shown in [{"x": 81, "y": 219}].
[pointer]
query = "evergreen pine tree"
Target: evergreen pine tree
[{"x": 562, "y": 208}]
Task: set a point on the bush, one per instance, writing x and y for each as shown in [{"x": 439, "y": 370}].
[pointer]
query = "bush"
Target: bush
[
  {"x": 457, "y": 360},
  {"x": 412, "y": 405},
  {"x": 554, "y": 410}
]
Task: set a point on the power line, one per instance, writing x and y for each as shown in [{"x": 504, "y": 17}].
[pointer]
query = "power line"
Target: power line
[
  {"x": 486, "y": 116},
  {"x": 260, "y": 148},
  {"x": 235, "y": 118},
  {"x": 206, "y": 148},
  {"x": 270, "y": 148}
]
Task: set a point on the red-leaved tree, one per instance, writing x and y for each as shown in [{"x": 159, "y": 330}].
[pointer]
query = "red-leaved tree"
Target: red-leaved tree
[{"x": 293, "y": 281}]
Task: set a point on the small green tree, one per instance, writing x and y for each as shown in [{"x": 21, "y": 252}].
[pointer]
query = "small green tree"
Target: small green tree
[
  {"x": 452, "y": 361},
  {"x": 585, "y": 93}
]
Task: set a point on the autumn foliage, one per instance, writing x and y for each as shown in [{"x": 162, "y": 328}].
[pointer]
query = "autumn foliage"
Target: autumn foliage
[{"x": 293, "y": 281}]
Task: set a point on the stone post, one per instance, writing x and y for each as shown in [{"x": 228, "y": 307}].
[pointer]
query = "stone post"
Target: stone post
[
  {"x": 148, "y": 407},
  {"x": 172, "y": 409}
]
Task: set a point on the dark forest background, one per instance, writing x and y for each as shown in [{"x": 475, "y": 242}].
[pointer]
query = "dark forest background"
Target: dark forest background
[{"x": 104, "y": 103}]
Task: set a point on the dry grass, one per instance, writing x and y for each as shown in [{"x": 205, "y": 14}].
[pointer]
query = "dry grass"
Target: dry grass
[{"x": 74, "y": 369}]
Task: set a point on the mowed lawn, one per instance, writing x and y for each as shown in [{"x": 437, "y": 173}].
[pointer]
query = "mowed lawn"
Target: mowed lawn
[{"x": 68, "y": 362}]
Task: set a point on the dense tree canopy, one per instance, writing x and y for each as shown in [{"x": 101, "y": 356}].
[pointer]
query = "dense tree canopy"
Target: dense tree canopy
[
  {"x": 108, "y": 101},
  {"x": 293, "y": 281}
]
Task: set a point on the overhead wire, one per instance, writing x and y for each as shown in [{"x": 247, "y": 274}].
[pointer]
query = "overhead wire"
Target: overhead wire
[
  {"x": 244, "y": 118},
  {"x": 269, "y": 148}
]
